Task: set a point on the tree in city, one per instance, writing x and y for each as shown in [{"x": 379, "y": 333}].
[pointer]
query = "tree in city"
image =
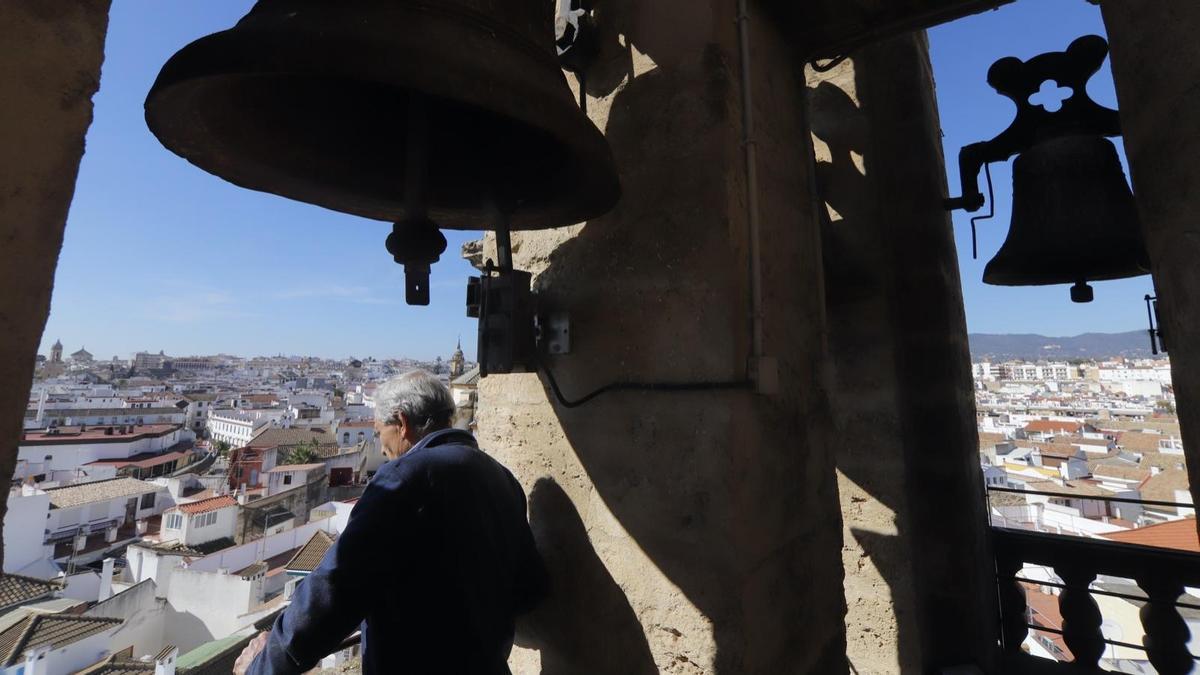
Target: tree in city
[
  {"x": 303, "y": 453},
  {"x": 222, "y": 448}
]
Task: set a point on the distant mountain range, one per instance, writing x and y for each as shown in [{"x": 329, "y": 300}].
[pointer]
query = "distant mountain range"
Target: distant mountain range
[{"x": 988, "y": 346}]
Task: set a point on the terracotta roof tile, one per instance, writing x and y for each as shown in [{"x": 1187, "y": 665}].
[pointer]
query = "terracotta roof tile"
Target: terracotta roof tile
[
  {"x": 274, "y": 437},
  {"x": 145, "y": 460},
  {"x": 99, "y": 491},
  {"x": 284, "y": 468},
  {"x": 1128, "y": 473},
  {"x": 1161, "y": 487},
  {"x": 1051, "y": 426},
  {"x": 1138, "y": 441},
  {"x": 1177, "y": 534},
  {"x": 53, "y": 630},
  {"x": 310, "y": 555},
  {"x": 206, "y": 505},
  {"x": 16, "y": 589}
]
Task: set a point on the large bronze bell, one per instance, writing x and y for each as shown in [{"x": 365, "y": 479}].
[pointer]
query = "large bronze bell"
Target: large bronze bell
[
  {"x": 322, "y": 101},
  {"x": 1073, "y": 219}
]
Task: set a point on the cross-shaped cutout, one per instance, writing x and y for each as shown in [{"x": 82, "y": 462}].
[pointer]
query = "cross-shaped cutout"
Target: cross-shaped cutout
[{"x": 1050, "y": 96}]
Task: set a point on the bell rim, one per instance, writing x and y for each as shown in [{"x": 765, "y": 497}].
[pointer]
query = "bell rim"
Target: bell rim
[{"x": 596, "y": 193}]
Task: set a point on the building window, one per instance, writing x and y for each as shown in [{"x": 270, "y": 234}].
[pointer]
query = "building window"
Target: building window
[
  {"x": 148, "y": 501},
  {"x": 346, "y": 438},
  {"x": 174, "y": 521},
  {"x": 49, "y": 457},
  {"x": 287, "y": 479},
  {"x": 205, "y": 519}
]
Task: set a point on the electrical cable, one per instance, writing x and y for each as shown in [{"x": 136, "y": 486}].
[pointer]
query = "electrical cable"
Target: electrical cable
[
  {"x": 637, "y": 386},
  {"x": 829, "y": 65}
]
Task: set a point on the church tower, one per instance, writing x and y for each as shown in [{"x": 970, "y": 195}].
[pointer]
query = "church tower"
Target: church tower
[
  {"x": 56, "y": 352},
  {"x": 457, "y": 363}
]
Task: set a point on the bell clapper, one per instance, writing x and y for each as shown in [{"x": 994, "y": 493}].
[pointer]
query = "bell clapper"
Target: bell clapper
[{"x": 416, "y": 242}]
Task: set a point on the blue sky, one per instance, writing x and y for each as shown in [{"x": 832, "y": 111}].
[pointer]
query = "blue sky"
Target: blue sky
[{"x": 160, "y": 255}]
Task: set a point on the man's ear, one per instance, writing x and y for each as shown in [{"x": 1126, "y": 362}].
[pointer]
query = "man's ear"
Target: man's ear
[{"x": 405, "y": 427}]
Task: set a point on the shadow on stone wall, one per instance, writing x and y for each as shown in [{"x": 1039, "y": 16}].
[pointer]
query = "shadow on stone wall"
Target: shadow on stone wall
[
  {"x": 721, "y": 491},
  {"x": 902, "y": 384},
  {"x": 586, "y": 625},
  {"x": 868, "y": 446}
]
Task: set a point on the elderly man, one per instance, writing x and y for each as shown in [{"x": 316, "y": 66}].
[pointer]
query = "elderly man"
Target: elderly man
[{"x": 436, "y": 560}]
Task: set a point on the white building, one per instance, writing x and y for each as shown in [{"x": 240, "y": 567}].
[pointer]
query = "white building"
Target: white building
[
  {"x": 24, "y": 536},
  {"x": 1036, "y": 372},
  {"x": 197, "y": 411},
  {"x": 983, "y": 371},
  {"x": 87, "y": 520},
  {"x": 62, "y": 454},
  {"x": 236, "y": 427},
  {"x": 352, "y": 433},
  {"x": 201, "y": 521},
  {"x": 289, "y": 476},
  {"x": 49, "y": 644},
  {"x": 158, "y": 414},
  {"x": 1115, "y": 374}
]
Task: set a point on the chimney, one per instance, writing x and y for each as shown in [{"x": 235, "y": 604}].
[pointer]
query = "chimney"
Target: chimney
[
  {"x": 164, "y": 663},
  {"x": 106, "y": 575}
]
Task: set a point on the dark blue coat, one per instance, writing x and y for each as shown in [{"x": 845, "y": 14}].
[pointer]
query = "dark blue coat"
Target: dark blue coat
[{"x": 436, "y": 561}]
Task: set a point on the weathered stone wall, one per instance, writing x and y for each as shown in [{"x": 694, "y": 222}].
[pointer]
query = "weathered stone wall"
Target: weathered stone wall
[
  {"x": 299, "y": 500},
  {"x": 686, "y": 532},
  {"x": 903, "y": 391},
  {"x": 1156, "y": 68},
  {"x": 50, "y": 55},
  {"x": 869, "y": 450},
  {"x": 917, "y": 582}
]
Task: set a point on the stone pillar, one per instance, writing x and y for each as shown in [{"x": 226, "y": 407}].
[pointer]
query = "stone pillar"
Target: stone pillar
[
  {"x": 50, "y": 54},
  {"x": 1156, "y": 65},
  {"x": 687, "y": 532},
  {"x": 919, "y": 589}
]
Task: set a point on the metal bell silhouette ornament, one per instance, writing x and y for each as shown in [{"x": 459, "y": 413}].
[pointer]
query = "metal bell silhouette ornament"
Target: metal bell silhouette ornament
[{"x": 1074, "y": 218}]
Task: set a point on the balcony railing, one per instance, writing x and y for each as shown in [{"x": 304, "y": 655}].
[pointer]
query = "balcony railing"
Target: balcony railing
[{"x": 1160, "y": 574}]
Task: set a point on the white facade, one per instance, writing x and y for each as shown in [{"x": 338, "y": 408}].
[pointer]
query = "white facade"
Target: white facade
[
  {"x": 1157, "y": 374},
  {"x": 291, "y": 476},
  {"x": 1146, "y": 388},
  {"x": 145, "y": 619},
  {"x": 98, "y": 515},
  {"x": 69, "y": 659},
  {"x": 237, "y": 427},
  {"x": 62, "y": 461},
  {"x": 24, "y": 522},
  {"x": 193, "y": 529},
  {"x": 217, "y": 604},
  {"x": 1032, "y": 372},
  {"x": 980, "y": 371}
]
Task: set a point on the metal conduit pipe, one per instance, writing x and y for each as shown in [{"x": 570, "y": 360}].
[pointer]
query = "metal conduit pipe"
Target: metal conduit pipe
[{"x": 761, "y": 370}]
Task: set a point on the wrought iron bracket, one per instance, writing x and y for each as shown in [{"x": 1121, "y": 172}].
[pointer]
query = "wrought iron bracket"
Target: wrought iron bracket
[{"x": 1158, "y": 342}]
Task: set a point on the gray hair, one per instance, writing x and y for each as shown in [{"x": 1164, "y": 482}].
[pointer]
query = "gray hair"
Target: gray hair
[{"x": 421, "y": 396}]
